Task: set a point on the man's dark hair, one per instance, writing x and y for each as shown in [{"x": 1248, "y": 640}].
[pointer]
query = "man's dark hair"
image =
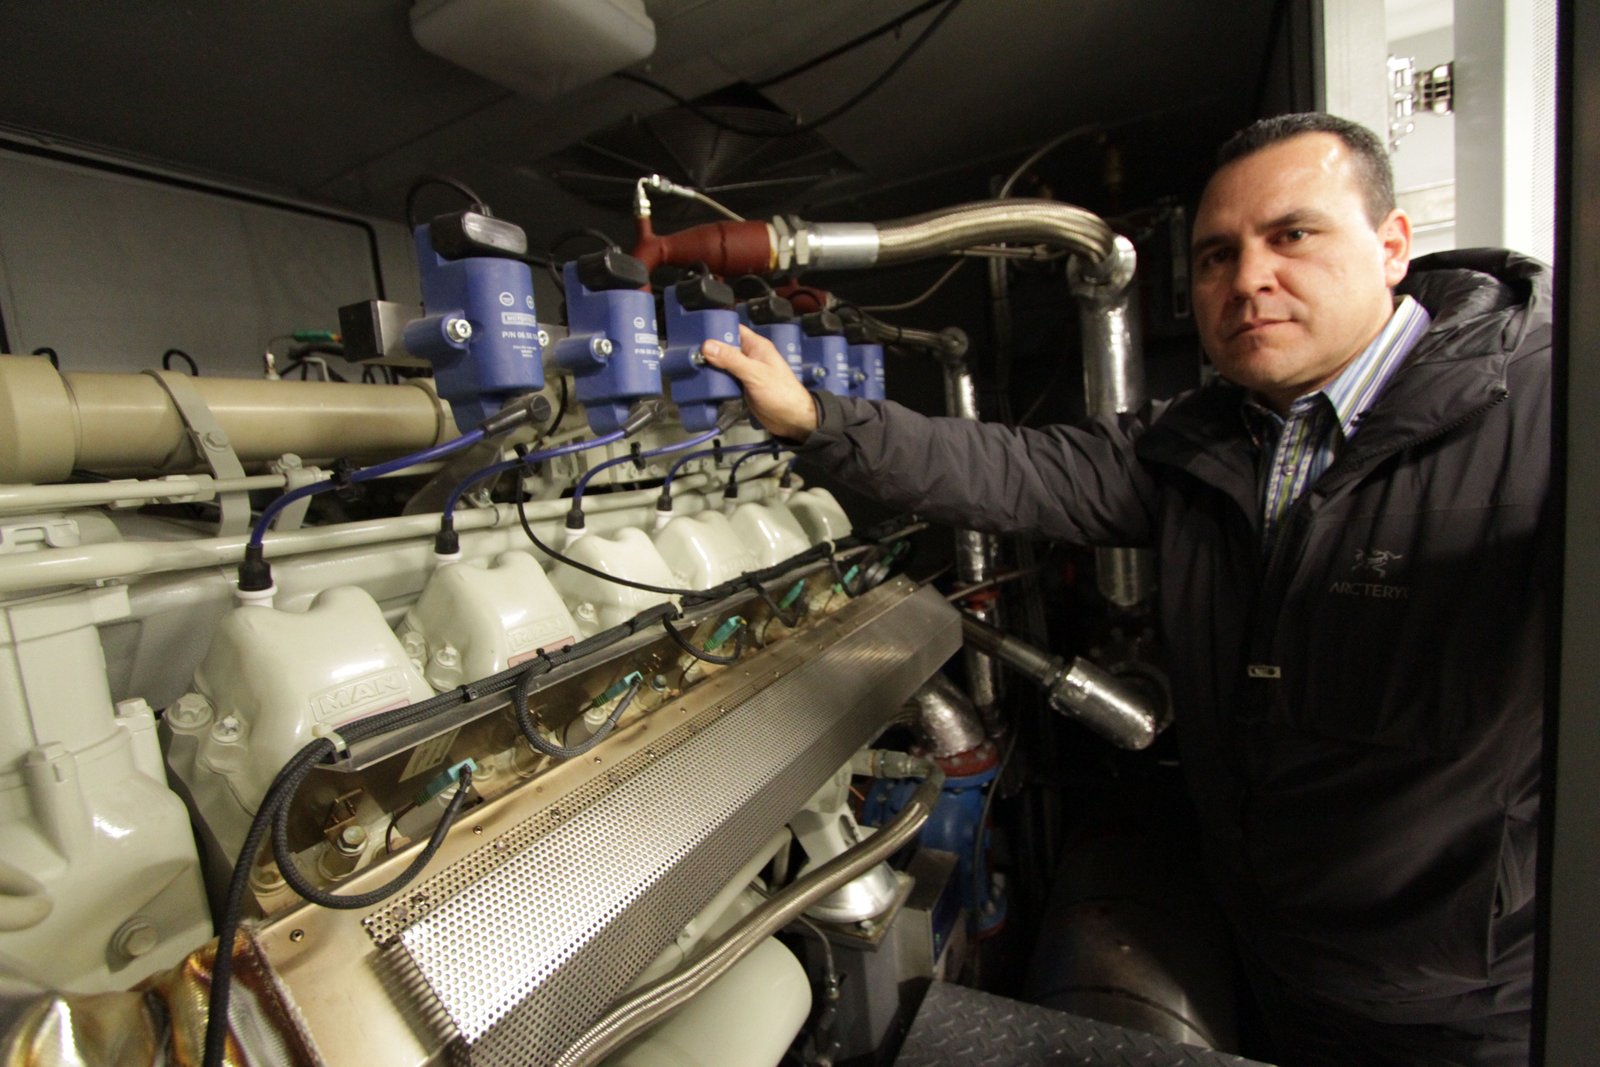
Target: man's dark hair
[{"x": 1372, "y": 160}]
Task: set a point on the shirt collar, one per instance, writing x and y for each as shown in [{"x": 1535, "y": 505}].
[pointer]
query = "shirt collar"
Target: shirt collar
[
  {"x": 1362, "y": 381},
  {"x": 1359, "y": 385}
]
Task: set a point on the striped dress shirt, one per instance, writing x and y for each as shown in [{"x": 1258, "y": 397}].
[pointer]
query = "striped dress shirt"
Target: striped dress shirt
[{"x": 1296, "y": 450}]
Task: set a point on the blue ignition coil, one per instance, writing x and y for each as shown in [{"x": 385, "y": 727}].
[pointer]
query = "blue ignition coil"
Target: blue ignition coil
[
  {"x": 824, "y": 355},
  {"x": 698, "y": 309},
  {"x": 612, "y": 347},
  {"x": 773, "y": 317},
  {"x": 479, "y": 329},
  {"x": 866, "y": 364}
]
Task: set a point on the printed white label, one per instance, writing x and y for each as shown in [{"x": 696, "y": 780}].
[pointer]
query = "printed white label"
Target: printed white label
[
  {"x": 646, "y": 339},
  {"x": 429, "y": 754},
  {"x": 518, "y": 318}
]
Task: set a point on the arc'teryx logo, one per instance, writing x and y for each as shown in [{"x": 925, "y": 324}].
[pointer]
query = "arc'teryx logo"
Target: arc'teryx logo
[
  {"x": 1373, "y": 561},
  {"x": 1376, "y": 560}
]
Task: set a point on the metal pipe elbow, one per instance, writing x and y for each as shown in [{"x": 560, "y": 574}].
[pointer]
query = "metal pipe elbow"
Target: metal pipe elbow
[{"x": 1033, "y": 221}]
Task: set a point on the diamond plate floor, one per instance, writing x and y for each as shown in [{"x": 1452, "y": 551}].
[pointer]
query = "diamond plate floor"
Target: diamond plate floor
[{"x": 961, "y": 1027}]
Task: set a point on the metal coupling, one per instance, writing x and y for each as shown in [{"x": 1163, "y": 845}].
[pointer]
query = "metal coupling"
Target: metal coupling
[
  {"x": 1106, "y": 280},
  {"x": 1080, "y": 690},
  {"x": 824, "y": 245}
]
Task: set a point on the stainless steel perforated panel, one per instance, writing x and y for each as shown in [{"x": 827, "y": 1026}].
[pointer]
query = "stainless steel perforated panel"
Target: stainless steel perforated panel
[{"x": 529, "y": 939}]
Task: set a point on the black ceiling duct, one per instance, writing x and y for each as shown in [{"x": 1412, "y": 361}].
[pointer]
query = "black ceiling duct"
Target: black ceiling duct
[{"x": 755, "y": 174}]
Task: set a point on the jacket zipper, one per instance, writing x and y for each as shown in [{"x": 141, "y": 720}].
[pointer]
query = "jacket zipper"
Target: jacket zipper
[{"x": 1289, "y": 544}]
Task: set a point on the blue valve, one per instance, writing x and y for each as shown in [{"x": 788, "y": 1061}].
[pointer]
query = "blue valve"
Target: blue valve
[
  {"x": 698, "y": 309},
  {"x": 866, "y": 364},
  {"x": 479, "y": 329},
  {"x": 824, "y": 354},
  {"x": 612, "y": 347},
  {"x": 773, "y": 317}
]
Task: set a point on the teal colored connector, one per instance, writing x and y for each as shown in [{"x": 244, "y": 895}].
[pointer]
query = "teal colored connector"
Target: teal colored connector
[
  {"x": 849, "y": 576},
  {"x": 725, "y": 631},
  {"x": 309, "y": 337},
  {"x": 444, "y": 780},
  {"x": 617, "y": 688},
  {"x": 793, "y": 594}
]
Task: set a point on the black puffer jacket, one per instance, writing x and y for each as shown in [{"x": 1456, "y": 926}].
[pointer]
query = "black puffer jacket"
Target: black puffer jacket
[{"x": 1360, "y": 715}]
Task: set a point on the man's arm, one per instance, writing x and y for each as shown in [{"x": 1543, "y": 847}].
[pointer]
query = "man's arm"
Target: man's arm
[{"x": 1080, "y": 485}]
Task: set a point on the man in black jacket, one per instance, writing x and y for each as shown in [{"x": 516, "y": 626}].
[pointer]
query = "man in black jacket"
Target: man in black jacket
[{"x": 1354, "y": 552}]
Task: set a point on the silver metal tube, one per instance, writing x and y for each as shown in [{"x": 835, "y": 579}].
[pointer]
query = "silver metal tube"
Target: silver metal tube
[
  {"x": 946, "y": 719},
  {"x": 836, "y": 245},
  {"x": 1099, "y": 700},
  {"x": 1113, "y": 384},
  {"x": 1113, "y": 373},
  {"x": 974, "y": 554},
  {"x": 654, "y": 1001},
  {"x": 1080, "y": 690}
]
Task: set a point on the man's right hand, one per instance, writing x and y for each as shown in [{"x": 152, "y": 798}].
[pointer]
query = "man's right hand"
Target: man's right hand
[{"x": 775, "y": 396}]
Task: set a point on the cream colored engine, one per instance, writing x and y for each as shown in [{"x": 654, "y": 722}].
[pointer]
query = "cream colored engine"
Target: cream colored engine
[{"x": 129, "y": 664}]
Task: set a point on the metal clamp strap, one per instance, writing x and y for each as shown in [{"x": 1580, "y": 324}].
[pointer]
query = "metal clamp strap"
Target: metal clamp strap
[{"x": 210, "y": 444}]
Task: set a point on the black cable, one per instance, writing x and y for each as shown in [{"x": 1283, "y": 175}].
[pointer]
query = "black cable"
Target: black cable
[
  {"x": 700, "y": 653},
  {"x": 527, "y": 528},
  {"x": 272, "y": 814},
  {"x": 166, "y": 360},
  {"x": 980, "y": 892},
  {"x": 530, "y": 726},
  {"x": 800, "y": 127},
  {"x": 892, "y": 26},
  {"x": 49, "y": 353},
  {"x": 233, "y": 904},
  {"x": 394, "y": 820},
  {"x": 288, "y": 780},
  {"x": 290, "y": 869},
  {"x": 583, "y": 231},
  {"x": 789, "y": 619},
  {"x": 561, "y": 408},
  {"x": 475, "y": 201}
]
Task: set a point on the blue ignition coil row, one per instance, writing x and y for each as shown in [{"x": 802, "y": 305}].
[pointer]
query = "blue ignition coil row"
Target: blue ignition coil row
[
  {"x": 699, "y": 309},
  {"x": 612, "y": 347},
  {"x": 479, "y": 329},
  {"x": 481, "y": 333},
  {"x": 824, "y": 354}
]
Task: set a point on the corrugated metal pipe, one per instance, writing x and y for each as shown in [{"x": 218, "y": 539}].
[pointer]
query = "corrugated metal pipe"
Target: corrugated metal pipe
[{"x": 1080, "y": 689}]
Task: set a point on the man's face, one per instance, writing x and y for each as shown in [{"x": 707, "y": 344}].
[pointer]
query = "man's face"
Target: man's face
[{"x": 1291, "y": 278}]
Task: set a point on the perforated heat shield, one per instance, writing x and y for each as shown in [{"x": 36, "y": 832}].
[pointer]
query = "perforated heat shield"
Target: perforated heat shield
[{"x": 529, "y": 939}]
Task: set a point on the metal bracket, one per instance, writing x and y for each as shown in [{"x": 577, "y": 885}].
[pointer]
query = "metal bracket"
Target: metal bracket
[
  {"x": 1412, "y": 92},
  {"x": 211, "y": 444}
]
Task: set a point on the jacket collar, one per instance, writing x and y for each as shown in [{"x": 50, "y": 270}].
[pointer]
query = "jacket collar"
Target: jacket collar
[{"x": 1484, "y": 303}]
